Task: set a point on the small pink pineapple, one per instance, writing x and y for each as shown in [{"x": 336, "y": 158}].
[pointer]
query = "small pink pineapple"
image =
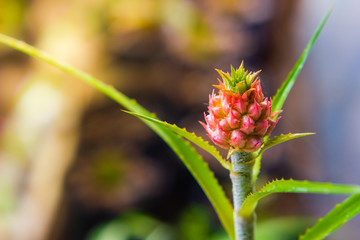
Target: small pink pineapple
[{"x": 239, "y": 115}]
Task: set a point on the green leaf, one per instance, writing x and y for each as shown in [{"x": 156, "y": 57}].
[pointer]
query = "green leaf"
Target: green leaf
[
  {"x": 282, "y": 138},
  {"x": 256, "y": 168},
  {"x": 206, "y": 179},
  {"x": 192, "y": 160},
  {"x": 334, "y": 219},
  {"x": 189, "y": 136},
  {"x": 293, "y": 186},
  {"x": 283, "y": 92},
  {"x": 270, "y": 143}
]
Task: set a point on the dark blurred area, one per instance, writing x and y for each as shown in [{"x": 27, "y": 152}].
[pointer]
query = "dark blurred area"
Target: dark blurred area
[{"x": 74, "y": 166}]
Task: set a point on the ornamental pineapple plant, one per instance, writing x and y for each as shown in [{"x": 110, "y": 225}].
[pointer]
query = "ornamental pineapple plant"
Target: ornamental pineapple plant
[{"x": 239, "y": 119}]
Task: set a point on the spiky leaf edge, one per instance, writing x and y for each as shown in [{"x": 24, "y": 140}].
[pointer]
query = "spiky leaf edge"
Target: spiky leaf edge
[
  {"x": 189, "y": 136},
  {"x": 271, "y": 143},
  {"x": 192, "y": 160},
  {"x": 282, "y": 138},
  {"x": 294, "y": 186},
  {"x": 334, "y": 219}
]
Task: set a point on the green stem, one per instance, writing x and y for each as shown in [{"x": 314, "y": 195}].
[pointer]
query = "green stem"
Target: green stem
[{"x": 242, "y": 180}]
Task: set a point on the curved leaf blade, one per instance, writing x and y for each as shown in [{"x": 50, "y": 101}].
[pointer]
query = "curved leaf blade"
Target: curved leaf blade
[
  {"x": 257, "y": 167},
  {"x": 189, "y": 136},
  {"x": 192, "y": 160},
  {"x": 283, "y": 92},
  {"x": 282, "y": 138},
  {"x": 294, "y": 186},
  {"x": 206, "y": 179},
  {"x": 334, "y": 219},
  {"x": 270, "y": 143}
]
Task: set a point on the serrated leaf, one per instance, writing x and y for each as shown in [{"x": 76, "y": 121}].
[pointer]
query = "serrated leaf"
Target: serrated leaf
[
  {"x": 293, "y": 186},
  {"x": 206, "y": 179},
  {"x": 270, "y": 143},
  {"x": 282, "y": 138},
  {"x": 189, "y": 136},
  {"x": 334, "y": 219},
  {"x": 283, "y": 92},
  {"x": 192, "y": 160}
]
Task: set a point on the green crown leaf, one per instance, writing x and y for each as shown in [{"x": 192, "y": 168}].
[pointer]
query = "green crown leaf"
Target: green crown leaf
[{"x": 239, "y": 80}]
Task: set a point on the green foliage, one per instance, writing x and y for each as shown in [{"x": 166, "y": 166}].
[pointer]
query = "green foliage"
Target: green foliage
[
  {"x": 189, "y": 136},
  {"x": 293, "y": 186},
  {"x": 282, "y": 138},
  {"x": 334, "y": 219},
  {"x": 207, "y": 181},
  {"x": 279, "y": 228},
  {"x": 130, "y": 226},
  {"x": 270, "y": 143},
  {"x": 194, "y": 224},
  {"x": 283, "y": 92},
  {"x": 282, "y": 228},
  {"x": 192, "y": 160}
]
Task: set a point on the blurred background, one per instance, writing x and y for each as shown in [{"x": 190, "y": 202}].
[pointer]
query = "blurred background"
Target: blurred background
[{"x": 73, "y": 166}]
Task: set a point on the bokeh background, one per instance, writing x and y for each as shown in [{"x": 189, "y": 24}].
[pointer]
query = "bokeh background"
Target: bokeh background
[{"x": 73, "y": 166}]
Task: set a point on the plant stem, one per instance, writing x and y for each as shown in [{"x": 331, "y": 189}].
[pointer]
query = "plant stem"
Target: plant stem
[{"x": 242, "y": 181}]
